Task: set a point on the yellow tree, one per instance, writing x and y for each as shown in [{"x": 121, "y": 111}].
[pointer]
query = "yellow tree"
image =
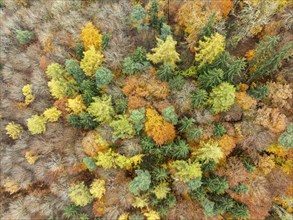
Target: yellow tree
[
  {"x": 91, "y": 36},
  {"x": 91, "y": 61},
  {"x": 165, "y": 52},
  {"x": 210, "y": 49}
]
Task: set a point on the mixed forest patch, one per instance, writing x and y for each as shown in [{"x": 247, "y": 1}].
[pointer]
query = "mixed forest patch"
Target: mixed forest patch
[{"x": 136, "y": 109}]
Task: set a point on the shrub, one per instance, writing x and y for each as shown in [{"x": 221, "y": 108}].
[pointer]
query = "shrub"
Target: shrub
[
  {"x": 79, "y": 194},
  {"x": 24, "y": 37},
  {"x": 14, "y": 130},
  {"x": 52, "y": 114},
  {"x": 37, "y": 124},
  {"x": 91, "y": 61},
  {"x": 103, "y": 77},
  {"x": 165, "y": 52},
  {"x": 91, "y": 36},
  {"x": 210, "y": 49},
  {"x": 97, "y": 188},
  {"x": 102, "y": 109},
  {"x": 140, "y": 183},
  {"x": 222, "y": 97},
  {"x": 122, "y": 128}
]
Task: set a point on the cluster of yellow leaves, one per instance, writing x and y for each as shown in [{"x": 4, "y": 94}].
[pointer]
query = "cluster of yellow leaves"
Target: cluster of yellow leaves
[
  {"x": 285, "y": 203},
  {"x": 272, "y": 119},
  {"x": 245, "y": 101},
  {"x": 76, "y": 105},
  {"x": 14, "y": 130},
  {"x": 31, "y": 157},
  {"x": 28, "y": 94},
  {"x": 210, "y": 49},
  {"x": 161, "y": 190},
  {"x": 11, "y": 186},
  {"x": 52, "y": 114},
  {"x": 91, "y": 61},
  {"x": 250, "y": 54},
  {"x": 37, "y": 124},
  {"x": 151, "y": 215},
  {"x": 209, "y": 151},
  {"x": 157, "y": 128},
  {"x": 91, "y": 36},
  {"x": 79, "y": 194},
  {"x": 165, "y": 52},
  {"x": 111, "y": 159},
  {"x": 276, "y": 149},
  {"x": 266, "y": 164},
  {"x": 227, "y": 143},
  {"x": 98, "y": 188}
]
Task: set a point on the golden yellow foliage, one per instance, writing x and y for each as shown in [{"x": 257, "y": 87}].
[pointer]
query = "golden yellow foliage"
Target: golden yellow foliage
[
  {"x": 91, "y": 61},
  {"x": 157, "y": 128},
  {"x": 276, "y": 149},
  {"x": 52, "y": 114},
  {"x": 76, "y": 105},
  {"x": 245, "y": 101},
  {"x": 31, "y": 157},
  {"x": 165, "y": 52},
  {"x": 28, "y": 94},
  {"x": 98, "y": 188},
  {"x": 13, "y": 130},
  {"x": 11, "y": 186},
  {"x": 227, "y": 143},
  {"x": 266, "y": 164},
  {"x": 37, "y": 124},
  {"x": 91, "y": 36}
]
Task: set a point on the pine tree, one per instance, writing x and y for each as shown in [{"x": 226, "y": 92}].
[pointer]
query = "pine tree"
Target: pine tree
[
  {"x": 211, "y": 78},
  {"x": 165, "y": 31},
  {"x": 165, "y": 72},
  {"x": 165, "y": 52},
  {"x": 136, "y": 62},
  {"x": 234, "y": 69},
  {"x": 140, "y": 183},
  {"x": 260, "y": 92},
  {"x": 137, "y": 17},
  {"x": 219, "y": 129},
  {"x": 170, "y": 115},
  {"x": 210, "y": 49},
  {"x": 24, "y": 37},
  {"x": 103, "y": 77},
  {"x": 74, "y": 69},
  {"x": 185, "y": 124},
  {"x": 216, "y": 184},
  {"x": 208, "y": 29},
  {"x": 198, "y": 97}
]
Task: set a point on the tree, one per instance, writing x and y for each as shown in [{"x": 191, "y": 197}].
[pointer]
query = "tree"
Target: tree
[
  {"x": 102, "y": 109},
  {"x": 76, "y": 105},
  {"x": 268, "y": 58},
  {"x": 74, "y": 70},
  {"x": 165, "y": 72},
  {"x": 186, "y": 171},
  {"x": 216, "y": 184},
  {"x": 161, "y": 190},
  {"x": 14, "y": 130},
  {"x": 52, "y": 114},
  {"x": 37, "y": 124},
  {"x": 137, "y": 118},
  {"x": 209, "y": 151},
  {"x": 170, "y": 115},
  {"x": 165, "y": 31},
  {"x": 137, "y": 17},
  {"x": 209, "y": 49},
  {"x": 79, "y": 194},
  {"x": 122, "y": 128},
  {"x": 83, "y": 120},
  {"x": 140, "y": 183},
  {"x": 91, "y": 36},
  {"x": 208, "y": 29},
  {"x": 198, "y": 97},
  {"x": 103, "y": 77},
  {"x": 179, "y": 149},
  {"x": 157, "y": 128},
  {"x": 191, "y": 71},
  {"x": 91, "y": 61},
  {"x": 24, "y": 37},
  {"x": 222, "y": 97},
  {"x": 219, "y": 129},
  {"x": 259, "y": 92},
  {"x": 97, "y": 188},
  {"x": 90, "y": 163},
  {"x": 28, "y": 94},
  {"x": 136, "y": 62},
  {"x": 165, "y": 52},
  {"x": 211, "y": 78},
  {"x": 286, "y": 139}
]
